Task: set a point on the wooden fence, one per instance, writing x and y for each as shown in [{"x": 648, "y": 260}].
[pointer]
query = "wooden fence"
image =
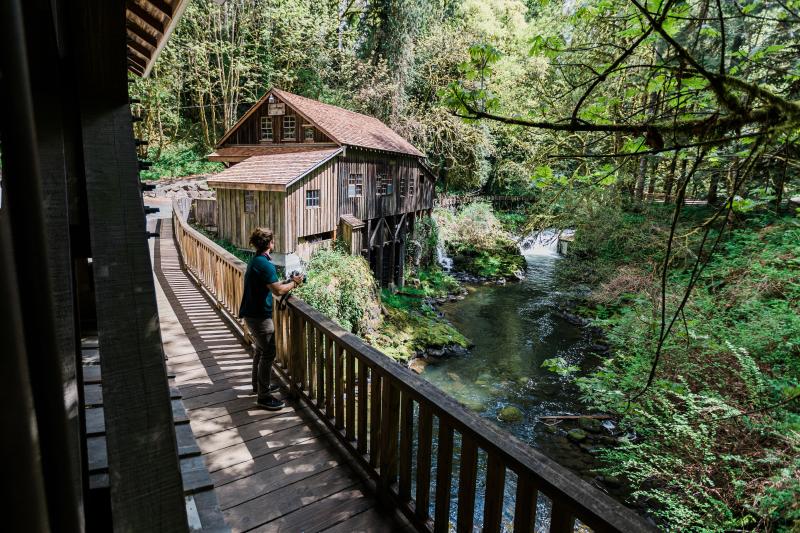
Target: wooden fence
[
  {"x": 497, "y": 200},
  {"x": 391, "y": 420}
]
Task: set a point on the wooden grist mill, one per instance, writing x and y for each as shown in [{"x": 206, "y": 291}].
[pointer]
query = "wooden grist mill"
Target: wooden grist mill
[{"x": 314, "y": 172}]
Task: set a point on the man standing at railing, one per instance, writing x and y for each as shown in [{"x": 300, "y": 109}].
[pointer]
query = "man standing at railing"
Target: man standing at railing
[{"x": 260, "y": 283}]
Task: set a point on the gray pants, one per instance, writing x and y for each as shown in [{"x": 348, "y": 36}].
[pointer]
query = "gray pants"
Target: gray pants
[{"x": 263, "y": 332}]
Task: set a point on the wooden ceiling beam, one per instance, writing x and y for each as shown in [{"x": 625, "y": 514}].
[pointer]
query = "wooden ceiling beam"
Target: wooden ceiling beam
[
  {"x": 135, "y": 54},
  {"x": 137, "y": 31},
  {"x": 135, "y": 67},
  {"x": 162, "y": 6},
  {"x": 135, "y": 45},
  {"x": 145, "y": 17}
]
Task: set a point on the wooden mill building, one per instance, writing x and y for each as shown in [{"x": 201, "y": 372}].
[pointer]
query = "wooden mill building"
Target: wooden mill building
[{"x": 314, "y": 172}]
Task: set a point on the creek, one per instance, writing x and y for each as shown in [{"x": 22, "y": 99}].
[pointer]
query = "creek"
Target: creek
[{"x": 516, "y": 327}]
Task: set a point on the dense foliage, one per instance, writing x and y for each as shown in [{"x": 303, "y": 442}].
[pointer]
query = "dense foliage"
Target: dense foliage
[
  {"x": 609, "y": 114},
  {"x": 713, "y": 444},
  {"x": 342, "y": 287},
  {"x": 478, "y": 243}
]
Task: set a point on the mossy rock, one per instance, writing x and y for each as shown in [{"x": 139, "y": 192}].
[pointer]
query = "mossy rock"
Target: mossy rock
[
  {"x": 473, "y": 405},
  {"x": 509, "y": 413},
  {"x": 576, "y": 435}
]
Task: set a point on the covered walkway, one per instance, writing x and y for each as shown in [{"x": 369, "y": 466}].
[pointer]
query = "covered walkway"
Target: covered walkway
[{"x": 272, "y": 471}]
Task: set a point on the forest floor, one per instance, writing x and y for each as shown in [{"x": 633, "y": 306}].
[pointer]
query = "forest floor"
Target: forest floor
[{"x": 717, "y": 435}]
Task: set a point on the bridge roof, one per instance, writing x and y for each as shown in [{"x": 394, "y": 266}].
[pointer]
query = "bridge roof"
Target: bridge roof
[{"x": 149, "y": 24}]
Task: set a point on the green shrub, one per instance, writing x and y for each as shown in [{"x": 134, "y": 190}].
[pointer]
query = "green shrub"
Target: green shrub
[
  {"x": 698, "y": 460},
  {"x": 178, "y": 160},
  {"x": 478, "y": 243},
  {"x": 341, "y": 287}
]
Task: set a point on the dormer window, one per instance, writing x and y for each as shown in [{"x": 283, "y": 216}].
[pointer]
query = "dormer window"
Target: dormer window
[
  {"x": 289, "y": 124},
  {"x": 308, "y": 134},
  {"x": 266, "y": 129}
]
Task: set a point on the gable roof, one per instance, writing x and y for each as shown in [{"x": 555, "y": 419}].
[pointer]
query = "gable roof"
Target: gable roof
[
  {"x": 343, "y": 126},
  {"x": 272, "y": 171}
]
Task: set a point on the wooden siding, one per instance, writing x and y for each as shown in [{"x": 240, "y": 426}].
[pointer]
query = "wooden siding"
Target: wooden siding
[
  {"x": 401, "y": 169},
  {"x": 234, "y": 225},
  {"x": 302, "y": 221},
  {"x": 249, "y": 132}
]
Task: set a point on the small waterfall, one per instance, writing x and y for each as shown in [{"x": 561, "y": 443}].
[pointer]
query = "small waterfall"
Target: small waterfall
[
  {"x": 543, "y": 242},
  {"x": 441, "y": 257}
]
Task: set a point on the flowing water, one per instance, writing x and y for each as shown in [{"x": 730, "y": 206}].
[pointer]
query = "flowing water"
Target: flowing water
[{"x": 514, "y": 328}]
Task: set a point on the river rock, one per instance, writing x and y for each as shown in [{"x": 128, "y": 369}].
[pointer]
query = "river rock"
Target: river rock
[
  {"x": 483, "y": 379},
  {"x": 550, "y": 428},
  {"x": 454, "y": 376},
  {"x": 418, "y": 365},
  {"x": 473, "y": 405},
  {"x": 590, "y": 424},
  {"x": 435, "y": 352},
  {"x": 455, "y": 351},
  {"x": 576, "y": 435},
  {"x": 509, "y": 413}
]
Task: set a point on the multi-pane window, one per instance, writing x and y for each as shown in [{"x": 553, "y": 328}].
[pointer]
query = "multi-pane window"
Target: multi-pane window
[
  {"x": 312, "y": 198},
  {"x": 266, "y": 128},
  {"x": 403, "y": 184},
  {"x": 411, "y": 183},
  {"x": 308, "y": 134},
  {"x": 355, "y": 185},
  {"x": 385, "y": 184},
  {"x": 288, "y": 128},
  {"x": 249, "y": 202}
]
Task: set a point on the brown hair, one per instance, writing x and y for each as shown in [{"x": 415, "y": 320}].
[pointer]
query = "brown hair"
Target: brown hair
[{"x": 260, "y": 239}]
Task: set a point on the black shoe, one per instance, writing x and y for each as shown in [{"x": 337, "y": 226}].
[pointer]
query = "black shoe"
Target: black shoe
[
  {"x": 271, "y": 404},
  {"x": 271, "y": 389}
]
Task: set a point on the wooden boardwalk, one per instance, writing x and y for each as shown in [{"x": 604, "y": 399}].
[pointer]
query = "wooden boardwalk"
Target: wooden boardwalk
[{"x": 272, "y": 471}]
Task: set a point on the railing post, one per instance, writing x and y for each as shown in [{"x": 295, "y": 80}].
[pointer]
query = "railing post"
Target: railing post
[{"x": 467, "y": 476}]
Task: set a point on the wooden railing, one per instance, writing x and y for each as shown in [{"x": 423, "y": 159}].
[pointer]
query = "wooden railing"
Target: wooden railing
[
  {"x": 391, "y": 421},
  {"x": 496, "y": 200}
]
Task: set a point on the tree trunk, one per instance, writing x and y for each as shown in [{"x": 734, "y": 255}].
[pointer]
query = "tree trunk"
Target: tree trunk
[
  {"x": 711, "y": 197},
  {"x": 669, "y": 181}
]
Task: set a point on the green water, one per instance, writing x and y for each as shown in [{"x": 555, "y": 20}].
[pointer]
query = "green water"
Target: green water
[{"x": 514, "y": 328}]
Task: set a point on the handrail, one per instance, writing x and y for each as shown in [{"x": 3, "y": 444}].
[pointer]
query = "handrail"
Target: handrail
[
  {"x": 381, "y": 412},
  {"x": 458, "y": 200}
]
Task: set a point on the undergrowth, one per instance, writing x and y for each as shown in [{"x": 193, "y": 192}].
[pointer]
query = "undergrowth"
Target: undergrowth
[{"x": 714, "y": 444}]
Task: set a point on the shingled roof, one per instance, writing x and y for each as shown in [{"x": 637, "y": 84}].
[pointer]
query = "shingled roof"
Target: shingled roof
[
  {"x": 343, "y": 126},
  {"x": 272, "y": 171}
]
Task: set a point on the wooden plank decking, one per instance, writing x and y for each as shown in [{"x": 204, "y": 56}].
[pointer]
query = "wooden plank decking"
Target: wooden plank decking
[{"x": 272, "y": 471}]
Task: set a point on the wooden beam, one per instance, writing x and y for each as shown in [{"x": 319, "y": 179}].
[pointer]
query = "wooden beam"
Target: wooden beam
[
  {"x": 146, "y": 487},
  {"x": 144, "y": 16},
  {"x": 161, "y": 6},
  {"x": 140, "y": 48},
  {"x": 135, "y": 67},
  {"x": 37, "y": 434},
  {"x": 137, "y": 58},
  {"x": 137, "y": 31}
]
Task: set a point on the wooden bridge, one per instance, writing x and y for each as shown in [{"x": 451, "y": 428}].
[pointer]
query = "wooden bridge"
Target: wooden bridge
[{"x": 363, "y": 444}]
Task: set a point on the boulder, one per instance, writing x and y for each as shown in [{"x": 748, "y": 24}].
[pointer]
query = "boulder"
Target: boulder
[
  {"x": 509, "y": 413},
  {"x": 576, "y": 435},
  {"x": 435, "y": 352},
  {"x": 417, "y": 365},
  {"x": 591, "y": 424}
]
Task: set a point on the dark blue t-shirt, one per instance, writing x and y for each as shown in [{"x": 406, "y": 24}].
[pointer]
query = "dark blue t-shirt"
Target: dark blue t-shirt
[{"x": 257, "y": 298}]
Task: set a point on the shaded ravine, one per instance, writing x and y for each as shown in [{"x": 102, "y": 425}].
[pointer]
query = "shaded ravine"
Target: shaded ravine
[{"x": 514, "y": 328}]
